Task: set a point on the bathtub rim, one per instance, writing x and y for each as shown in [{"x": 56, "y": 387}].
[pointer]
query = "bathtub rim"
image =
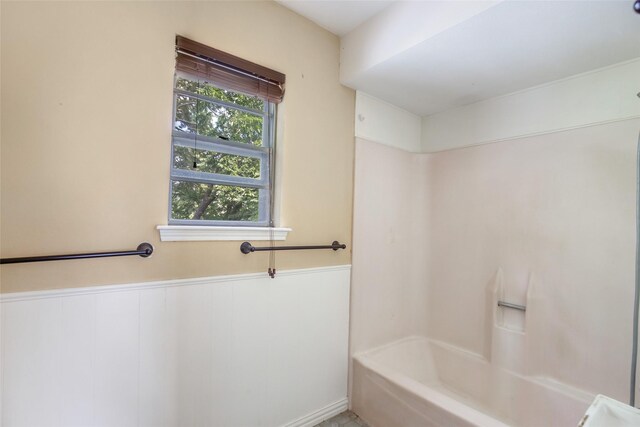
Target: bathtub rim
[
  {"x": 423, "y": 391},
  {"x": 541, "y": 380},
  {"x": 367, "y": 360}
]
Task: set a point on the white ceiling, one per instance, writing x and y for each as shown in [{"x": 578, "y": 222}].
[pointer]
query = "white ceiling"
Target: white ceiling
[
  {"x": 431, "y": 56},
  {"x": 339, "y": 17}
]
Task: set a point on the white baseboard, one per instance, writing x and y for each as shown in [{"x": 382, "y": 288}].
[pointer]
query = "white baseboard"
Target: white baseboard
[{"x": 321, "y": 414}]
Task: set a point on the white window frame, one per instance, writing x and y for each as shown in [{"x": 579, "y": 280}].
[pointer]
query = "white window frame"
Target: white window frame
[{"x": 186, "y": 139}]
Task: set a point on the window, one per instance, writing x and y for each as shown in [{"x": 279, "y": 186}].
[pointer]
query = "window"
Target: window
[
  {"x": 221, "y": 151},
  {"x": 222, "y": 139}
]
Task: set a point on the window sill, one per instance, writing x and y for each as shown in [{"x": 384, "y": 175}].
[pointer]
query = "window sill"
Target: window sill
[{"x": 185, "y": 233}]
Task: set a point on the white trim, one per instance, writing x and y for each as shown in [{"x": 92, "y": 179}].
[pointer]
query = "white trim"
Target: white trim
[
  {"x": 181, "y": 233},
  {"x": 320, "y": 415},
  {"x": 68, "y": 292},
  {"x": 380, "y": 121},
  {"x": 532, "y": 134},
  {"x": 601, "y": 96},
  {"x": 550, "y": 83}
]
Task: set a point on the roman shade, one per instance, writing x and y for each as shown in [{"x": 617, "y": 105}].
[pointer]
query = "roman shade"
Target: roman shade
[{"x": 228, "y": 71}]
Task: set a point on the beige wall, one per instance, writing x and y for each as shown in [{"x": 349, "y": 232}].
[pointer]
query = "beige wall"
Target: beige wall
[{"x": 87, "y": 104}]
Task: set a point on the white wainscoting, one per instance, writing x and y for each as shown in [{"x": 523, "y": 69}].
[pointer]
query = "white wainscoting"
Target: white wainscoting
[{"x": 242, "y": 350}]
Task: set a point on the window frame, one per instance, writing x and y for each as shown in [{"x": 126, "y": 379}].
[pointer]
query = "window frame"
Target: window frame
[{"x": 263, "y": 153}]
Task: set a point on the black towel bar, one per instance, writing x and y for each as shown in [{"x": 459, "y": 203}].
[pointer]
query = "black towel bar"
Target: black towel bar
[
  {"x": 247, "y": 247},
  {"x": 144, "y": 250}
]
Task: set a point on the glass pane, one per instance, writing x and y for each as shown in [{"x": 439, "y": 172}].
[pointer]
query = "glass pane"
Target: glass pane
[
  {"x": 193, "y": 200},
  {"x": 213, "y": 162},
  {"x": 217, "y": 121},
  {"x": 204, "y": 88}
]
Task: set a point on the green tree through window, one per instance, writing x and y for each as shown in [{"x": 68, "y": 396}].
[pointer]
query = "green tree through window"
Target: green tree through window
[{"x": 220, "y": 165}]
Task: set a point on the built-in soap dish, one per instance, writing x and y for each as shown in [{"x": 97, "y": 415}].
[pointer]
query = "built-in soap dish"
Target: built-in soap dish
[{"x": 507, "y": 313}]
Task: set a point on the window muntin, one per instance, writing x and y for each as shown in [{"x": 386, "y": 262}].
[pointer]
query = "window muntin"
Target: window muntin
[{"x": 228, "y": 135}]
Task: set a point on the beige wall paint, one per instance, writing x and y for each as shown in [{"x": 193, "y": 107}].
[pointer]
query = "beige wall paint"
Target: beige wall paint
[{"x": 86, "y": 122}]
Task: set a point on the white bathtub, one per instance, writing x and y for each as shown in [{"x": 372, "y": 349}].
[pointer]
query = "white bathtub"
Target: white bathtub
[{"x": 422, "y": 382}]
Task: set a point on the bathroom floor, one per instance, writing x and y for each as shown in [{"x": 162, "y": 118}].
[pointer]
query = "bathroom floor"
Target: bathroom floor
[{"x": 344, "y": 419}]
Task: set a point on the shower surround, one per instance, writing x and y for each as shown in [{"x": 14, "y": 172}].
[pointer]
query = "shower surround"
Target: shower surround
[{"x": 545, "y": 222}]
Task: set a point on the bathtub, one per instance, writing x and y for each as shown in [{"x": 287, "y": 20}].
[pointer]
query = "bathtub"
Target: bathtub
[{"x": 421, "y": 382}]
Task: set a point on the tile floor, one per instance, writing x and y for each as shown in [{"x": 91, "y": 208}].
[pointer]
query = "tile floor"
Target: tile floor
[{"x": 344, "y": 419}]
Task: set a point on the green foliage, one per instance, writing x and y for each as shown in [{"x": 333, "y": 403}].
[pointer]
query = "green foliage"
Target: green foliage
[
  {"x": 207, "y": 201},
  {"x": 214, "y": 202}
]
